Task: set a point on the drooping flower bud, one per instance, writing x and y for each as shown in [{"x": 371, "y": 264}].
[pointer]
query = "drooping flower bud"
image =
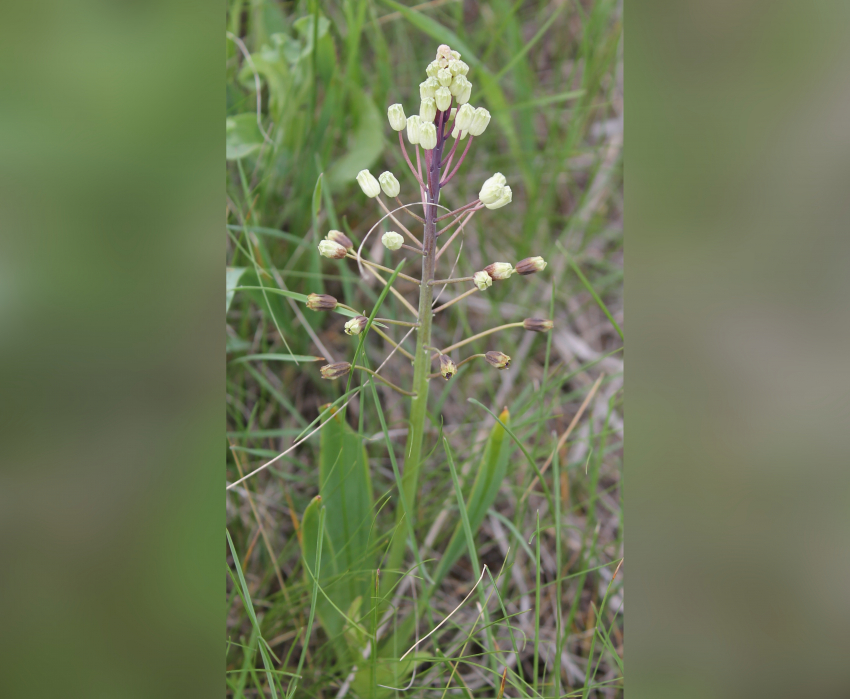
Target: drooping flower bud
[
  {"x": 341, "y": 238},
  {"x": 395, "y": 113},
  {"x": 334, "y": 371},
  {"x": 321, "y": 302},
  {"x": 428, "y": 136},
  {"x": 453, "y": 113},
  {"x": 392, "y": 240},
  {"x": 445, "y": 51},
  {"x": 460, "y": 67},
  {"x": 414, "y": 128},
  {"x": 355, "y": 326},
  {"x": 458, "y": 84},
  {"x": 457, "y": 133},
  {"x": 465, "y": 92},
  {"x": 464, "y": 116},
  {"x": 428, "y": 88},
  {"x": 530, "y": 265},
  {"x": 432, "y": 69},
  {"x": 492, "y": 188},
  {"x": 497, "y": 359},
  {"x": 479, "y": 121},
  {"x": 389, "y": 184},
  {"x": 538, "y": 325},
  {"x": 455, "y": 55},
  {"x": 328, "y": 248},
  {"x": 427, "y": 109},
  {"x": 506, "y": 198},
  {"x": 500, "y": 270},
  {"x": 443, "y": 98},
  {"x": 482, "y": 280},
  {"x": 447, "y": 367},
  {"x": 368, "y": 184},
  {"x": 444, "y": 77},
  {"x": 454, "y": 67}
]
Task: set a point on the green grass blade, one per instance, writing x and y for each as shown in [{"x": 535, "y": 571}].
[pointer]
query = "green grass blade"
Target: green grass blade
[
  {"x": 595, "y": 296},
  {"x": 277, "y": 358}
]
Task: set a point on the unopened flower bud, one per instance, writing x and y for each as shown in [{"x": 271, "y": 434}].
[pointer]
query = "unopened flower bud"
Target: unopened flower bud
[
  {"x": 479, "y": 121},
  {"x": 454, "y": 67},
  {"x": 458, "y": 84},
  {"x": 392, "y": 240},
  {"x": 428, "y": 88},
  {"x": 444, "y": 77},
  {"x": 455, "y": 55},
  {"x": 464, "y": 93},
  {"x": 428, "y": 136},
  {"x": 538, "y": 325},
  {"x": 414, "y": 128},
  {"x": 334, "y": 371},
  {"x": 500, "y": 270},
  {"x": 427, "y": 109},
  {"x": 432, "y": 69},
  {"x": 457, "y": 133},
  {"x": 321, "y": 302},
  {"x": 368, "y": 183},
  {"x": 389, "y": 184},
  {"x": 395, "y": 113},
  {"x": 492, "y": 188},
  {"x": 443, "y": 98},
  {"x": 341, "y": 238},
  {"x": 506, "y": 198},
  {"x": 356, "y": 325},
  {"x": 460, "y": 67},
  {"x": 530, "y": 265},
  {"x": 447, "y": 367},
  {"x": 464, "y": 116},
  {"x": 498, "y": 359},
  {"x": 482, "y": 280},
  {"x": 453, "y": 113},
  {"x": 445, "y": 51},
  {"x": 328, "y": 248}
]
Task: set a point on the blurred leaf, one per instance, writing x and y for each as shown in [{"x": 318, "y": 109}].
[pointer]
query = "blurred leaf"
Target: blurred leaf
[
  {"x": 279, "y": 358},
  {"x": 366, "y": 142},
  {"x": 232, "y": 277},
  {"x": 242, "y": 136}
]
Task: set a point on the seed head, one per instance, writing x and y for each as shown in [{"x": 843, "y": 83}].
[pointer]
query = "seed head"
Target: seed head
[
  {"x": 328, "y": 248},
  {"x": 538, "y": 325},
  {"x": 356, "y": 325},
  {"x": 395, "y": 114},
  {"x": 443, "y": 98},
  {"x": 368, "y": 183},
  {"x": 428, "y": 136},
  {"x": 482, "y": 280},
  {"x": 444, "y": 77},
  {"x": 498, "y": 359},
  {"x": 334, "y": 371},
  {"x": 414, "y": 129},
  {"x": 530, "y": 265},
  {"x": 447, "y": 367},
  {"x": 389, "y": 184},
  {"x": 340, "y": 238},
  {"x": 500, "y": 270},
  {"x": 479, "y": 121},
  {"x": 321, "y": 302},
  {"x": 427, "y": 109},
  {"x": 392, "y": 240},
  {"x": 464, "y": 116},
  {"x": 428, "y": 88}
]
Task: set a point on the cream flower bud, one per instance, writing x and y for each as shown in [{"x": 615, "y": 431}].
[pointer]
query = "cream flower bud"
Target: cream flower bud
[
  {"x": 492, "y": 188},
  {"x": 334, "y": 371},
  {"x": 500, "y": 270},
  {"x": 461, "y": 67},
  {"x": 395, "y": 113},
  {"x": 464, "y": 93},
  {"x": 355, "y": 326},
  {"x": 328, "y": 248},
  {"x": 482, "y": 280},
  {"x": 432, "y": 69},
  {"x": 444, "y": 51},
  {"x": 341, "y": 238},
  {"x": 538, "y": 325},
  {"x": 443, "y": 62},
  {"x": 530, "y": 265},
  {"x": 454, "y": 67},
  {"x": 458, "y": 83},
  {"x": 464, "y": 116},
  {"x": 389, "y": 184},
  {"x": 455, "y": 55},
  {"x": 504, "y": 200},
  {"x": 414, "y": 129},
  {"x": 427, "y": 109},
  {"x": 428, "y": 136},
  {"x": 497, "y": 359},
  {"x": 368, "y": 183},
  {"x": 447, "y": 367},
  {"x": 457, "y": 133},
  {"x": 392, "y": 240},
  {"x": 321, "y": 302},
  {"x": 428, "y": 88},
  {"x": 479, "y": 121},
  {"x": 453, "y": 113},
  {"x": 445, "y": 77},
  {"x": 443, "y": 98}
]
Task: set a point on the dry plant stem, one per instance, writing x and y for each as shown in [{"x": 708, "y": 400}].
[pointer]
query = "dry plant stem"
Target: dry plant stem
[
  {"x": 395, "y": 388},
  {"x": 459, "y": 162},
  {"x": 418, "y": 218},
  {"x": 454, "y": 235},
  {"x": 400, "y": 225},
  {"x": 455, "y": 300},
  {"x": 394, "y": 291},
  {"x": 393, "y": 343},
  {"x": 354, "y": 256},
  {"x": 407, "y": 158},
  {"x": 479, "y": 336}
]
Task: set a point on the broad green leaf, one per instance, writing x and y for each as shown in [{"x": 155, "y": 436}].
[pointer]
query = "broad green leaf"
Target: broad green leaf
[
  {"x": 232, "y": 277},
  {"x": 242, "y": 136},
  {"x": 366, "y": 141}
]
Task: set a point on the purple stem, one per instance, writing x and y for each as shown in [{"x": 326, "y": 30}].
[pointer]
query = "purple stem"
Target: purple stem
[
  {"x": 452, "y": 174},
  {"x": 407, "y": 158}
]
